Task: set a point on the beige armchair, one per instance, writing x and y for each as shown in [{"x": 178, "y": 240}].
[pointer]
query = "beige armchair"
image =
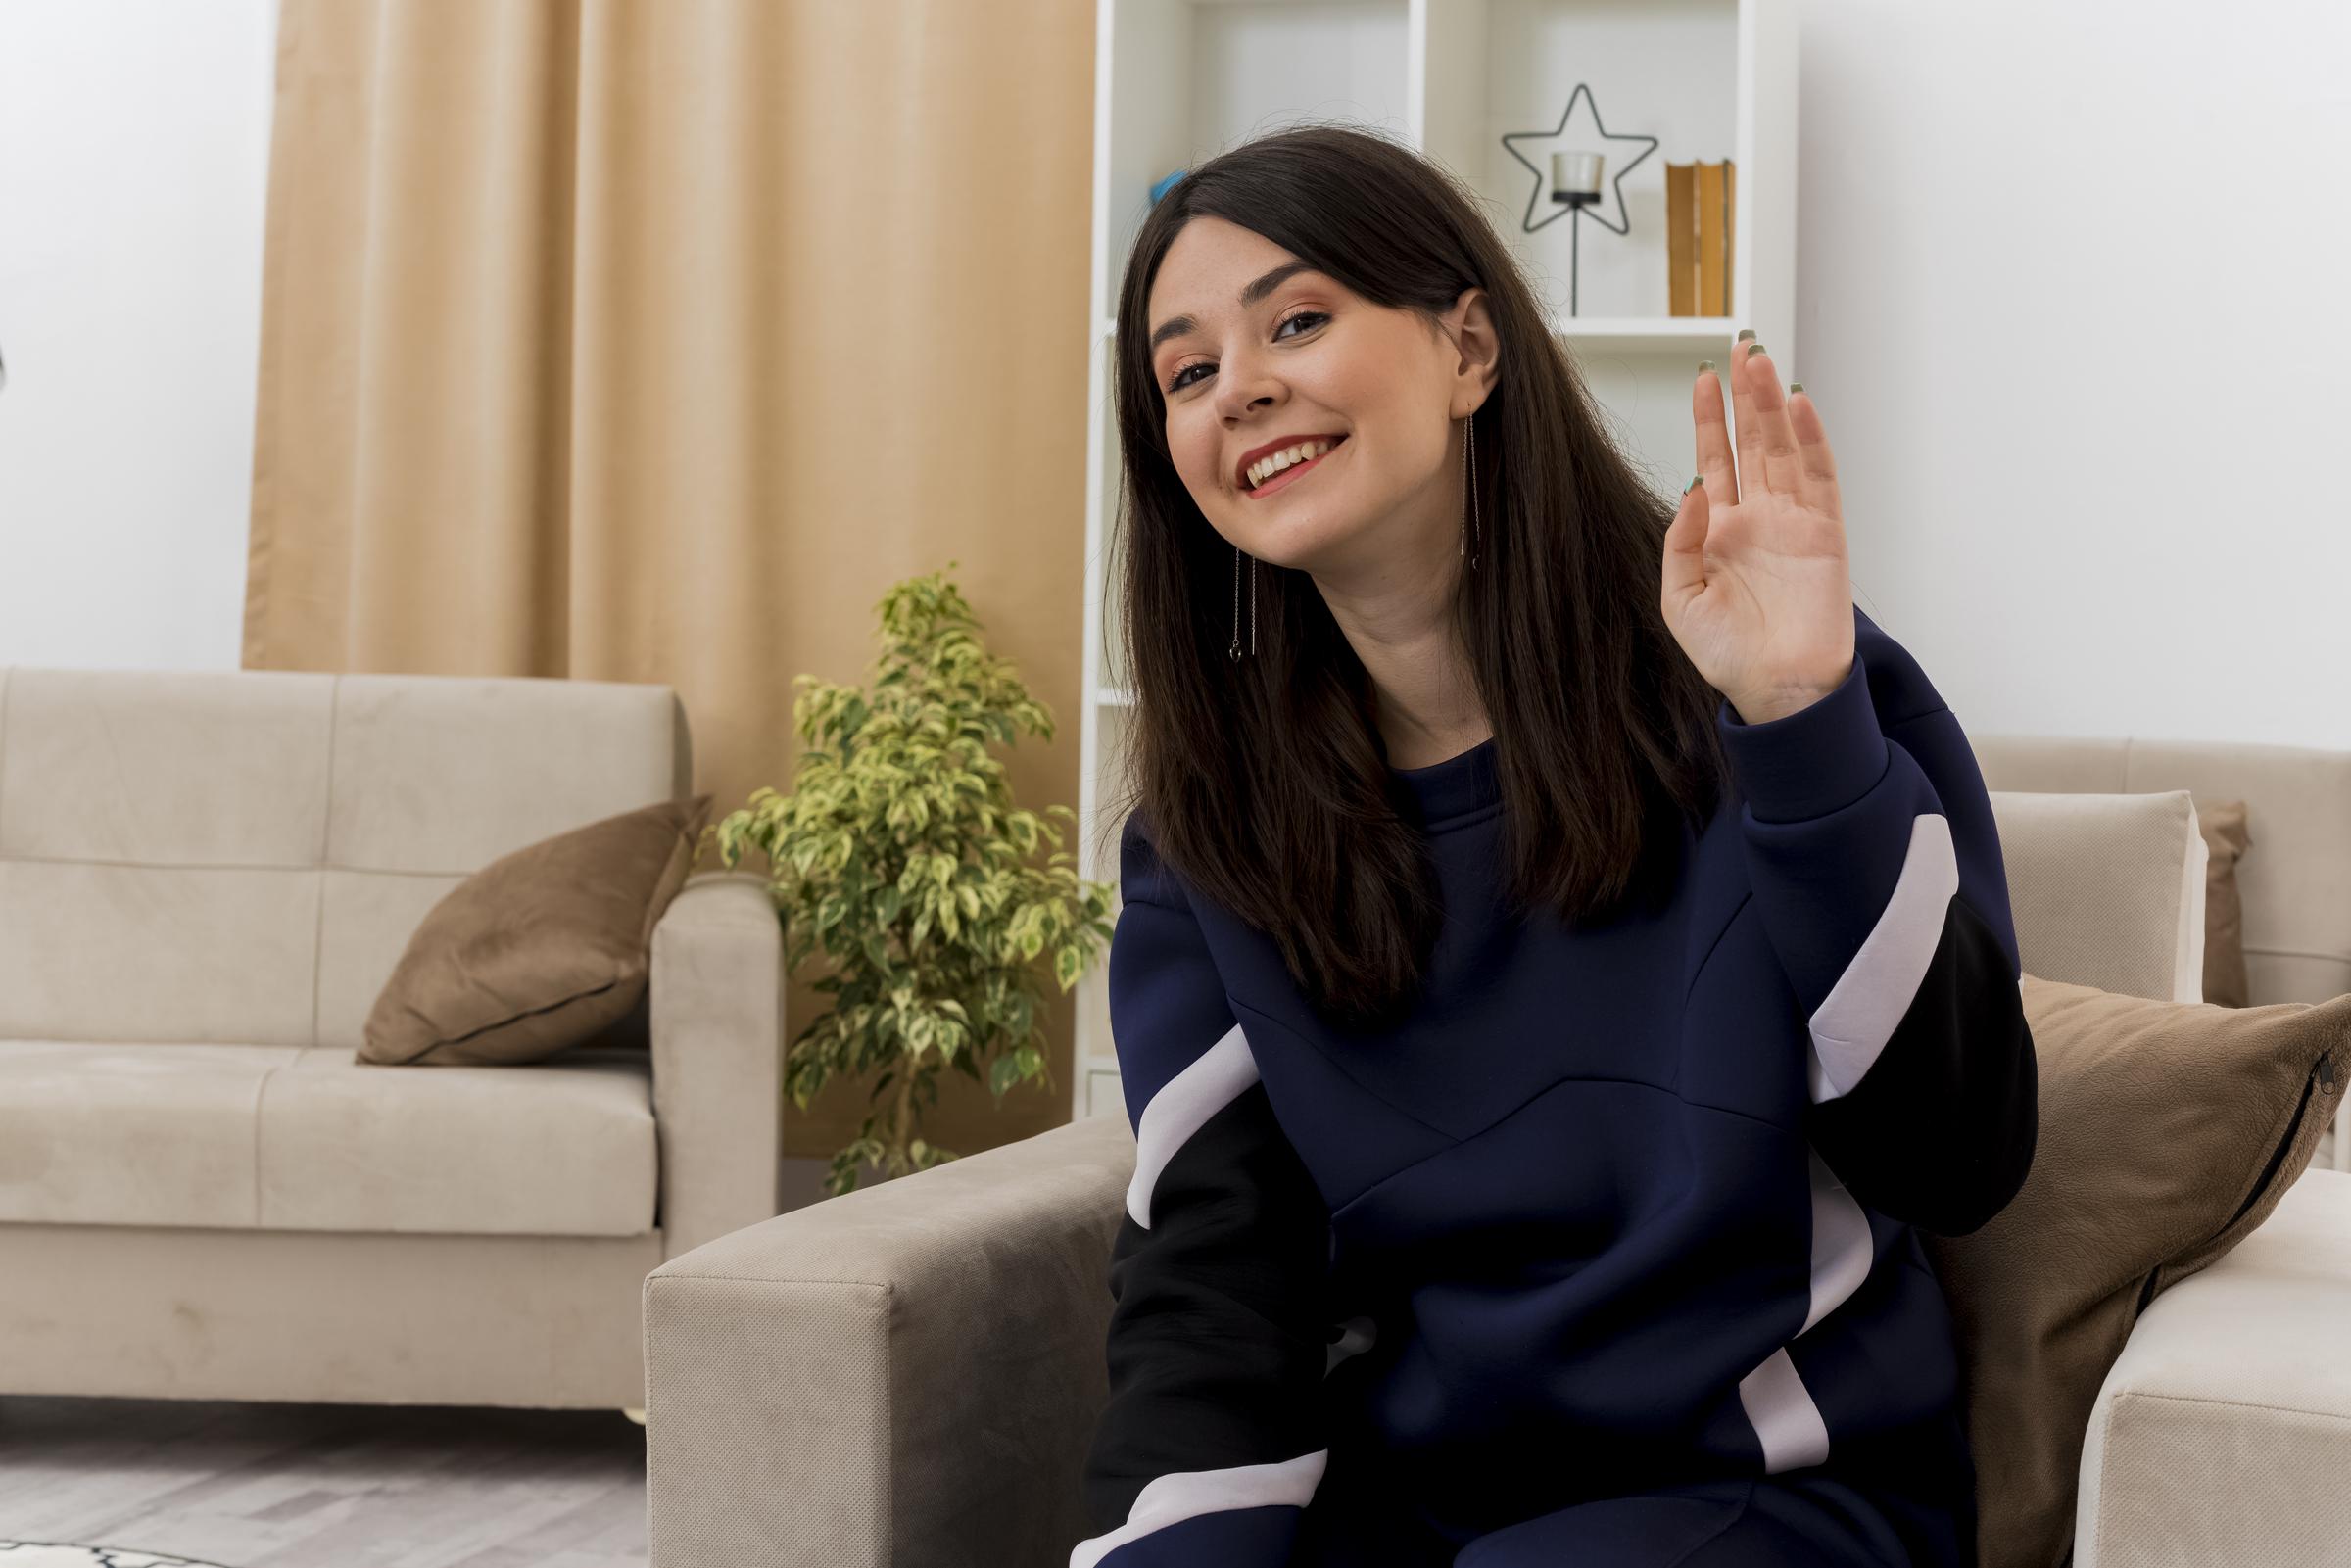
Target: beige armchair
[
  {"x": 205, "y": 880},
  {"x": 909, "y": 1375}
]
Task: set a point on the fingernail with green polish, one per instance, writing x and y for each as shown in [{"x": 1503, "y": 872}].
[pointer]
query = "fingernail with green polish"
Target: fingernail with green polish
[
  {"x": 1706, "y": 365},
  {"x": 1796, "y": 385},
  {"x": 1746, "y": 333},
  {"x": 1695, "y": 482},
  {"x": 1754, "y": 348}
]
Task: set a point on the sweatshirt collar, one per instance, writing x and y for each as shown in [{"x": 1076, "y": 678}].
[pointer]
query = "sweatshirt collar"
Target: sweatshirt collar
[{"x": 1462, "y": 783}]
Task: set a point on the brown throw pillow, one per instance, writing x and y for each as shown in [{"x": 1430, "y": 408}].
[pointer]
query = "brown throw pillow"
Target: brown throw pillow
[
  {"x": 2223, "y": 825},
  {"x": 540, "y": 949},
  {"x": 2166, "y": 1132}
]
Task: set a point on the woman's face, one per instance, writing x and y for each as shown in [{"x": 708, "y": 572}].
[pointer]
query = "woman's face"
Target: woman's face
[{"x": 1242, "y": 365}]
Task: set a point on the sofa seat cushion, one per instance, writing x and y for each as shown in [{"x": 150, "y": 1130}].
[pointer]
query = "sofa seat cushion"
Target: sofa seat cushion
[
  {"x": 130, "y": 1134},
  {"x": 2223, "y": 1432},
  {"x": 310, "y": 1138}
]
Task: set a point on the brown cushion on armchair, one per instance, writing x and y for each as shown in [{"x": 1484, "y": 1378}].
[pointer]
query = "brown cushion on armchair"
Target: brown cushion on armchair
[
  {"x": 538, "y": 950},
  {"x": 2223, "y": 825},
  {"x": 2168, "y": 1131}
]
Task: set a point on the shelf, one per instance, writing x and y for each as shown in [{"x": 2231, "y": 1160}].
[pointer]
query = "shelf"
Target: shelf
[{"x": 1651, "y": 334}]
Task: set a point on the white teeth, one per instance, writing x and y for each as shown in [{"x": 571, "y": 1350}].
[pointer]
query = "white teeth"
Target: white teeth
[{"x": 1266, "y": 468}]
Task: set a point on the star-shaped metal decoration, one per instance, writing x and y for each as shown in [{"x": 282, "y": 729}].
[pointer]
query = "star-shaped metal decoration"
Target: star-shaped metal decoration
[{"x": 1536, "y": 197}]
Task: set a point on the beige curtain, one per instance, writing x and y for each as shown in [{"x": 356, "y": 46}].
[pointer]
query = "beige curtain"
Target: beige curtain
[{"x": 651, "y": 339}]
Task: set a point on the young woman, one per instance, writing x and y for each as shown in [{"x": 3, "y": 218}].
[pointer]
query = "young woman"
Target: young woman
[{"x": 1565, "y": 958}]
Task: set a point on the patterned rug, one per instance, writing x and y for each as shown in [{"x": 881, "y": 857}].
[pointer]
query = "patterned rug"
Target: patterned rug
[{"x": 52, "y": 1555}]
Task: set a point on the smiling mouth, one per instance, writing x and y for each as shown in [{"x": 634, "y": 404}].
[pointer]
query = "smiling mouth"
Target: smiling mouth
[{"x": 1274, "y": 482}]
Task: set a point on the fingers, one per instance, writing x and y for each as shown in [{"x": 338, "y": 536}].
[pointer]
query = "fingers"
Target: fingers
[
  {"x": 1779, "y": 442},
  {"x": 1751, "y": 424},
  {"x": 1780, "y": 470},
  {"x": 1818, "y": 463},
  {"x": 1684, "y": 570},
  {"x": 1714, "y": 461},
  {"x": 1796, "y": 444}
]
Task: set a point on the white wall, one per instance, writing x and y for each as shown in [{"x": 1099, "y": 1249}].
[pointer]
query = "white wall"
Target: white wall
[
  {"x": 134, "y": 139},
  {"x": 2062, "y": 272},
  {"x": 2065, "y": 276}
]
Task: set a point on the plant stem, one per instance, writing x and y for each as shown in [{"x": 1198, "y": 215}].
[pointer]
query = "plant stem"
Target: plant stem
[{"x": 904, "y": 1120}]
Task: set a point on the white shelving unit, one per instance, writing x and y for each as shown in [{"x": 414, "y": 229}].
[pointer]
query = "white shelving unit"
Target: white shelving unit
[{"x": 1178, "y": 81}]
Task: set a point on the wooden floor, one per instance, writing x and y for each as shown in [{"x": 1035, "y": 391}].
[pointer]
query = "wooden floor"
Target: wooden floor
[{"x": 308, "y": 1485}]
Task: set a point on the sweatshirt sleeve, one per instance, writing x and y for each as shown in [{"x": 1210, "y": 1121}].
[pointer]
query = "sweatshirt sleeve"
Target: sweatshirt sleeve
[
  {"x": 1875, "y": 868},
  {"x": 1212, "y": 1441}
]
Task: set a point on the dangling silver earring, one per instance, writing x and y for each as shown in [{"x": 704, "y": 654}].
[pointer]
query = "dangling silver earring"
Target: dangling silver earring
[
  {"x": 1235, "y": 652},
  {"x": 1470, "y": 521}
]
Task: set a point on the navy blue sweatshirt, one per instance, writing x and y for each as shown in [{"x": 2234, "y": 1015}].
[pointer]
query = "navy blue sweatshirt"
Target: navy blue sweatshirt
[{"x": 1612, "y": 1208}]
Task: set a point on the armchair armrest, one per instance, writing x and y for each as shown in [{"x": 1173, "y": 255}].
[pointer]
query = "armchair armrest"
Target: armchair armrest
[
  {"x": 715, "y": 1010},
  {"x": 2223, "y": 1432},
  {"x": 908, "y": 1374}
]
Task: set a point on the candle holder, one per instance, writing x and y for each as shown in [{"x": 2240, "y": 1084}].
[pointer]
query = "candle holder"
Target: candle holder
[{"x": 1574, "y": 182}]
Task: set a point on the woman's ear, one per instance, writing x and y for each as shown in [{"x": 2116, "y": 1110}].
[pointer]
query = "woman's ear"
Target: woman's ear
[{"x": 1471, "y": 326}]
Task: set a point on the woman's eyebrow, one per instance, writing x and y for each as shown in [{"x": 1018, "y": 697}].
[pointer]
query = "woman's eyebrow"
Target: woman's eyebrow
[{"x": 1176, "y": 326}]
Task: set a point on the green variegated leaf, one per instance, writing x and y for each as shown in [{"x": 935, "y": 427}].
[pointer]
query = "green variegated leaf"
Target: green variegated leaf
[{"x": 899, "y": 819}]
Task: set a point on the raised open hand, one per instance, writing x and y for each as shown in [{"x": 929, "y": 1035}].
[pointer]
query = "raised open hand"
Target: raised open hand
[{"x": 1756, "y": 588}]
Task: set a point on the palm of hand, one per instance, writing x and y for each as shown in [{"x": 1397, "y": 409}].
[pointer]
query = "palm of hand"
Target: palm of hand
[{"x": 1755, "y": 586}]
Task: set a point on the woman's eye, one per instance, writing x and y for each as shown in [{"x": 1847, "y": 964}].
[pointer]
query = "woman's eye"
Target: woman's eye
[{"x": 1180, "y": 383}]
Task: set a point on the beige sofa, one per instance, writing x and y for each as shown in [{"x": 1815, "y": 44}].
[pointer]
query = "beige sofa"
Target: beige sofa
[
  {"x": 909, "y": 1375},
  {"x": 205, "y": 880}
]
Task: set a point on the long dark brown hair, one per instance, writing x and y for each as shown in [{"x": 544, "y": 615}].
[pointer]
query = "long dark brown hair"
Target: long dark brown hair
[{"x": 1264, "y": 783}]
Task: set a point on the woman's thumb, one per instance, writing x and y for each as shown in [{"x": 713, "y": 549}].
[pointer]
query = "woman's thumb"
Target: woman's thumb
[{"x": 1685, "y": 542}]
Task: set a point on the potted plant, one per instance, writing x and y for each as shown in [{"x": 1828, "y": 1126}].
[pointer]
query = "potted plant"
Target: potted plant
[{"x": 900, "y": 855}]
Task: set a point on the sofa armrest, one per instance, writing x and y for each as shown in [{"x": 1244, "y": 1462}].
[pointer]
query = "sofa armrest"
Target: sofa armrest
[
  {"x": 2223, "y": 1432},
  {"x": 907, "y": 1374},
  {"x": 715, "y": 1010}
]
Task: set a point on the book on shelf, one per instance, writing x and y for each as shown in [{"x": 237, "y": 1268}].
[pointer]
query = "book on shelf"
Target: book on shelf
[{"x": 1700, "y": 198}]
